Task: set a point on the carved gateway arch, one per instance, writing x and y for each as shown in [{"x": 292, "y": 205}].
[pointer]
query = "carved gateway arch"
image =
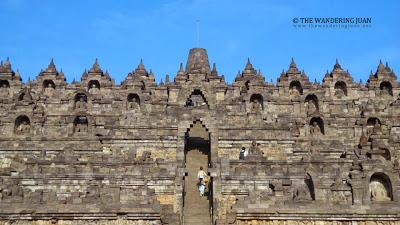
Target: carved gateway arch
[
  {"x": 184, "y": 125},
  {"x": 208, "y": 124},
  {"x": 188, "y": 91}
]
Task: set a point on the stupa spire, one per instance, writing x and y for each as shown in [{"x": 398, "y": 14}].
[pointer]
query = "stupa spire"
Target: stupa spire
[
  {"x": 51, "y": 68},
  {"x": 198, "y": 61},
  {"x": 337, "y": 65},
  {"x": 96, "y": 67},
  {"x": 249, "y": 66}
]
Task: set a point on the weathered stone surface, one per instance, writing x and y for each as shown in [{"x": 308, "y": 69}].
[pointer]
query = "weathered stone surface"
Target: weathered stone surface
[
  {"x": 80, "y": 222},
  {"x": 93, "y": 152}
]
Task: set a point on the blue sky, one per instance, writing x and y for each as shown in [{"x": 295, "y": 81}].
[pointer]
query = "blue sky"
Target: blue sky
[{"x": 120, "y": 33}]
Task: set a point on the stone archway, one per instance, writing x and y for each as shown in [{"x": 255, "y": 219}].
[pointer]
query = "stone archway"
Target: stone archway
[
  {"x": 196, "y": 99},
  {"x": 197, "y": 153}
]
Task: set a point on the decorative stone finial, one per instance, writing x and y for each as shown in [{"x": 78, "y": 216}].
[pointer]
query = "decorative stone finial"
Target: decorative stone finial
[
  {"x": 381, "y": 67},
  {"x": 18, "y": 75},
  {"x": 141, "y": 65},
  {"x": 85, "y": 73},
  {"x": 249, "y": 66},
  {"x": 180, "y": 71},
  {"x": 292, "y": 67},
  {"x": 327, "y": 74},
  {"x": 238, "y": 74},
  {"x": 6, "y": 67},
  {"x": 292, "y": 64},
  {"x": 140, "y": 69},
  {"x": 214, "y": 70},
  {"x": 61, "y": 73},
  {"x": 96, "y": 67},
  {"x": 51, "y": 68},
  {"x": 249, "y": 70},
  {"x": 283, "y": 72},
  {"x": 167, "y": 79},
  {"x": 387, "y": 68},
  {"x": 337, "y": 65},
  {"x": 107, "y": 75}
]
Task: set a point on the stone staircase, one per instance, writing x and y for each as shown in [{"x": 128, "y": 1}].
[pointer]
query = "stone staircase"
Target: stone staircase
[{"x": 196, "y": 209}]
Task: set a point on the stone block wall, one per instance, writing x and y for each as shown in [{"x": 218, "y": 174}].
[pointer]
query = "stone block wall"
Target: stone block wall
[{"x": 94, "y": 152}]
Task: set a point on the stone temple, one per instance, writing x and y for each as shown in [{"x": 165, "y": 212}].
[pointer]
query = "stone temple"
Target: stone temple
[{"x": 93, "y": 152}]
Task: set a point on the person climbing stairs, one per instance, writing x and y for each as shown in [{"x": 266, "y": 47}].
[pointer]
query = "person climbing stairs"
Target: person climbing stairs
[{"x": 196, "y": 208}]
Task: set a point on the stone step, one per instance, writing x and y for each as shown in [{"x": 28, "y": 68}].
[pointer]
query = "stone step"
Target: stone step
[{"x": 196, "y": 209}]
